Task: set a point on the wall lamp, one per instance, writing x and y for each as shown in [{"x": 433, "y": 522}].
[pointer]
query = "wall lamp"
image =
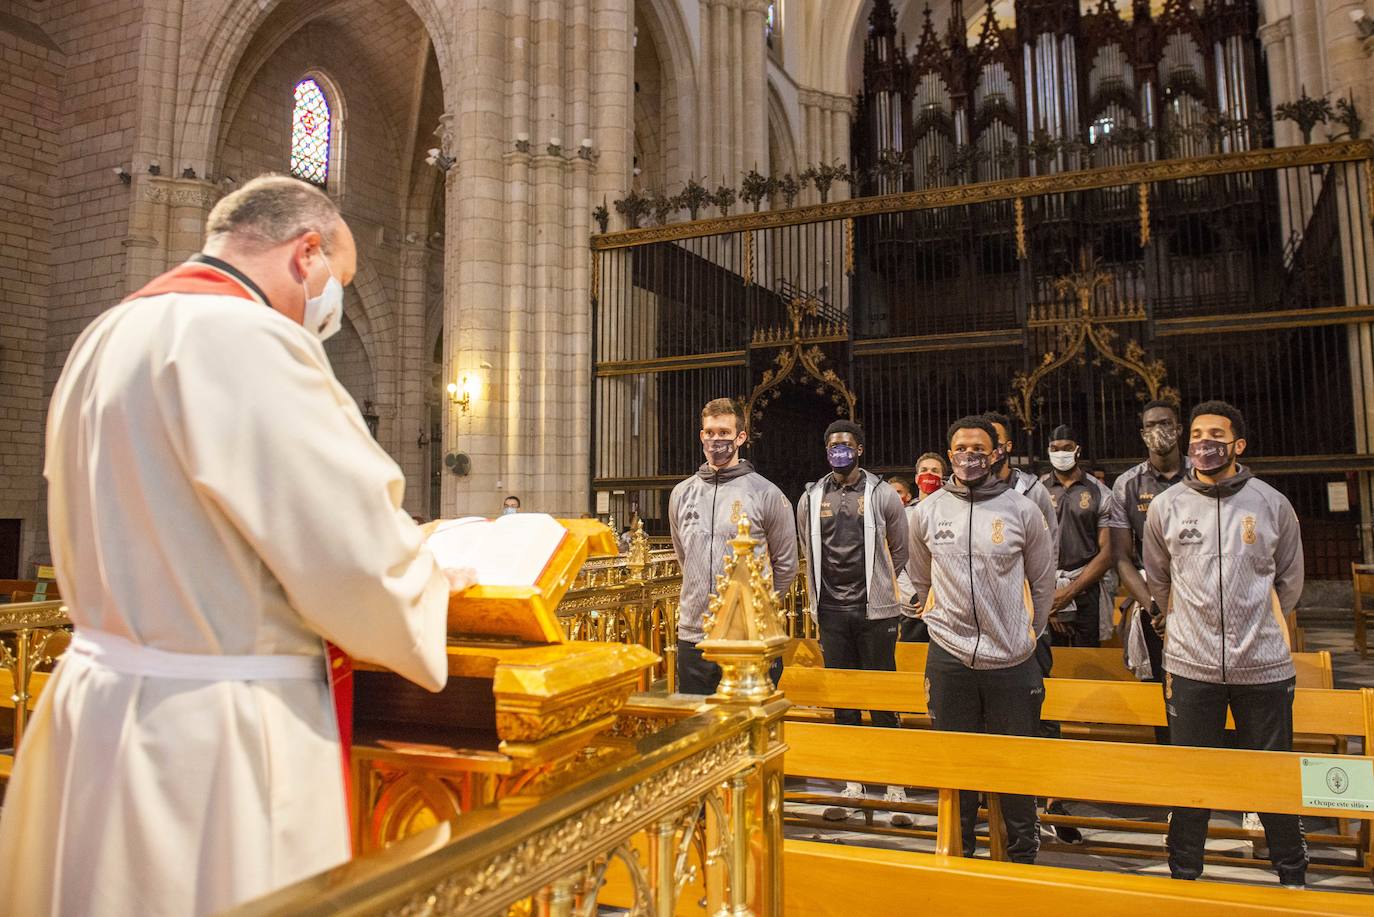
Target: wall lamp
[
  {"x": 439, "y": 159},
  {"x": 123, "y": 174},
  {"x": 464, "y": 392},
  {"x": 1363, "y": 23}
]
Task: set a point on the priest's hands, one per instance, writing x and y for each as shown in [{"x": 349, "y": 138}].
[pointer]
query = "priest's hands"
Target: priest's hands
[{"x": 460, "y": 579}]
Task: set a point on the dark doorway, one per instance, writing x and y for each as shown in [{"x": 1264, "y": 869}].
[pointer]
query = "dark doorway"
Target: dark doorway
[
  {"x": 787, "y": 445},
  {"x": 9, "y": 549}
]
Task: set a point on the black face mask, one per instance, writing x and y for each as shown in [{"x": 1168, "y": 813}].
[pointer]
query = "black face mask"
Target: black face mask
[{"x": 719, "y": 451}]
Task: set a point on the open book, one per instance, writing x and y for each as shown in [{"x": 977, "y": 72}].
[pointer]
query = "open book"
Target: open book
[{"x": 506, "y": 551}]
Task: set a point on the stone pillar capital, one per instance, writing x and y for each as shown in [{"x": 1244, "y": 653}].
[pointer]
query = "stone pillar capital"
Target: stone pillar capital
[{"x": 1271, "y": 33}]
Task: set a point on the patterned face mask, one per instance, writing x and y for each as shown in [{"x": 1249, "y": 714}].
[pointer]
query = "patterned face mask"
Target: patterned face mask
[
  {"x": 1208, "y": 455},
  {"x": 1160, "y": 440},
  {"x": 971, "y": 467},
  {"x": 840, "y": 456},
  {"x": 719, "y": 451}
]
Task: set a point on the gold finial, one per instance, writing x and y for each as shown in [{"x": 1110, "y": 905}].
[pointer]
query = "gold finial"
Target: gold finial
[
  {"x": 744, "y": 626},
  {"x": 638, "y": 556}
]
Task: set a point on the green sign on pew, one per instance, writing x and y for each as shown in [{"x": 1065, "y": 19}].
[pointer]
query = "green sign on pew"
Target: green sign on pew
[{"x": 1338, "y": 783}]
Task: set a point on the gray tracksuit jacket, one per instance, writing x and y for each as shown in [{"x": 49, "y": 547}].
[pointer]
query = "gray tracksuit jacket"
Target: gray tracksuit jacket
[
  {"x": 983, "y": 565},
  {"x": 1224, "y": 562},
  {"x": 701, "y": 520},
  {"x": 885, "y": 543}
]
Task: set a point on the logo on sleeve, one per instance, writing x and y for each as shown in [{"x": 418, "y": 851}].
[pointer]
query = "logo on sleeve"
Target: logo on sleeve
[
  {"x": 1085, "y": 500},
  {"x": 1247, "y": 530},
  {"x": 997, "y": 526}
]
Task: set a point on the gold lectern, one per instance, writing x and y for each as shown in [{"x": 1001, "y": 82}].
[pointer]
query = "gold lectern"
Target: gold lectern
[{"x": 518, "y": 716}]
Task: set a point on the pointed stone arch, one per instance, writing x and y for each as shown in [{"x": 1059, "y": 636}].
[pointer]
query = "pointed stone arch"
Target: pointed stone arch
[{"x": 213, "y": 52}]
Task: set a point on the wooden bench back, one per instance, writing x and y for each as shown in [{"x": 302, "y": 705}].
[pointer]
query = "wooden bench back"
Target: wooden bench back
[
  {"x": 1106, "y": 664},
  {"x": 876, "y": 881},
  {"x": 1124, "y": 703},
  {"x": 1145, "y": 775}
]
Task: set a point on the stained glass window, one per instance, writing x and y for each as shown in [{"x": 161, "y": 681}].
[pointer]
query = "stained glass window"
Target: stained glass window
[
  {"x": 310, "y": 128},
  {"x": 772, "y": 24}
]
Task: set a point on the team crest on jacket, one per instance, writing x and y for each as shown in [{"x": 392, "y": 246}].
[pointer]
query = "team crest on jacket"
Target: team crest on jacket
[
  {"x": 1085, "y": 500},
  {"x": 1247, "y": 530},
  {"x": 997, "y": 525}
]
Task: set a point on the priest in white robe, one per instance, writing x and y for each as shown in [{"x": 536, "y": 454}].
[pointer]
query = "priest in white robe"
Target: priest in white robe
[{"x": 217, "y": 510}]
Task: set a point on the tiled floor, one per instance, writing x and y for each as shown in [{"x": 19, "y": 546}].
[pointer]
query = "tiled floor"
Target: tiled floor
[{"x": 1350, "y": 672}]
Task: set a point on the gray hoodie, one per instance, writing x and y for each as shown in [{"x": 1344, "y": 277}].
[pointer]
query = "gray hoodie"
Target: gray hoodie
[
  {"x": 1224, "y": 561},
  {"x": 982, "y": 564},
  {"x": 884, "y": 543},
  {"x": 701, "y": 519}
]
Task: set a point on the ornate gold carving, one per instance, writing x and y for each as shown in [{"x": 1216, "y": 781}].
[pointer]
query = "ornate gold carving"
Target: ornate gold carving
[
  {"x": 744, "y": 623},
  {"x": 1143, "y": 193},
  {"x": 849, "y": 246},
  {"x": 529, "y": 726},
  {"x": 1007, "y": 189},
  {"x": 1020, "y": 207},
  {"x": 504, "y": 875},
  {"x": 32, "y": 615},
  {"x": 797, "y": 356},
  {"x": 1080, "y": 320},
  {"x": 748, "y": 258},
  {"x": 638, "y": 556}
]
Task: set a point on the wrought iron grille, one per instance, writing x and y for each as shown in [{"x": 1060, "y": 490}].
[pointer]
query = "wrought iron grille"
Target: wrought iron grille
[{"x": 1069, "y": 298}]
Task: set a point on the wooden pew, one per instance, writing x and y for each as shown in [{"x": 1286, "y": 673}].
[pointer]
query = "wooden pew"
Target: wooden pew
[
  {"x": 1105, "y": 664},
  {"x": 827, "y": 880},
  {"x": 1322, "y": 711},
  {"x": 1145, "y": 775}
]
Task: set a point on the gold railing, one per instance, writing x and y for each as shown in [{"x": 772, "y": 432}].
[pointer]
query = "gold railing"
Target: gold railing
[
  {"x": 27, "y": 633},
  {"x": 678, "y": 807},
  {"x": 634, "y": 598},
  {"x": 683, "y": 812}
]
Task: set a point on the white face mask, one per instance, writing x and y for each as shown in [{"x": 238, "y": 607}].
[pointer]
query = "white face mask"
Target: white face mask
[
  {"x": 1063, "y": 461},
  {"x": 324, "y": 313}
]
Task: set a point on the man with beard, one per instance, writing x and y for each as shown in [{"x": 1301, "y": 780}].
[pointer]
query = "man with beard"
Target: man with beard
[
  {"x": 703, "y": 514},
  {"x": 853, "y": 533},
  {"x": 1223, "y": 560},
  {"x": 982, "y": 564}
]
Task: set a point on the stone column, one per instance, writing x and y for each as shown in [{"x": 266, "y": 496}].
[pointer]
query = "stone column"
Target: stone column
[
  {"x": 517, "y": 239},
  {"x": 474, "y": 293},
  {"x": 841, "y": 107},
  {"x": 705, "y": 91},
  {"x": 754, "y": 58},
  {"x": 146, "y": 253},
  {"x": 720, "y": 80},
  {"x": 1275, "y": 39},
  {"x": 413, "y": 419}
]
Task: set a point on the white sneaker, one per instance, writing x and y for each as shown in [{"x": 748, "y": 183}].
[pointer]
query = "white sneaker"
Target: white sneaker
[
  {"x": 852, "y": 790},
  {"x": 898, "y": 794}
]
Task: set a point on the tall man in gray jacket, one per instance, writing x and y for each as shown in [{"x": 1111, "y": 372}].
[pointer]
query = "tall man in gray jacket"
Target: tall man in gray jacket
[
  {"x": 983, "y": 566},
  {"x": 703, "y": 514},
  {"x": 852, "y": 528},
  {"x": 1223, "y": 560}
]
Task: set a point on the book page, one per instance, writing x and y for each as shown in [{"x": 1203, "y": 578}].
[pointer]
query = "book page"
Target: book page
[{"x": 506, "y": 551}]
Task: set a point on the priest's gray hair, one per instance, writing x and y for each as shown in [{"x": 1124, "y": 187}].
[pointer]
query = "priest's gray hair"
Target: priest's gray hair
[{"x": 270, "y": 210}]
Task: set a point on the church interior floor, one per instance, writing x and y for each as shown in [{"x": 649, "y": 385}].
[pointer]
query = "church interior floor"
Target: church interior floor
[{"x": 1350, "y": 672}]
